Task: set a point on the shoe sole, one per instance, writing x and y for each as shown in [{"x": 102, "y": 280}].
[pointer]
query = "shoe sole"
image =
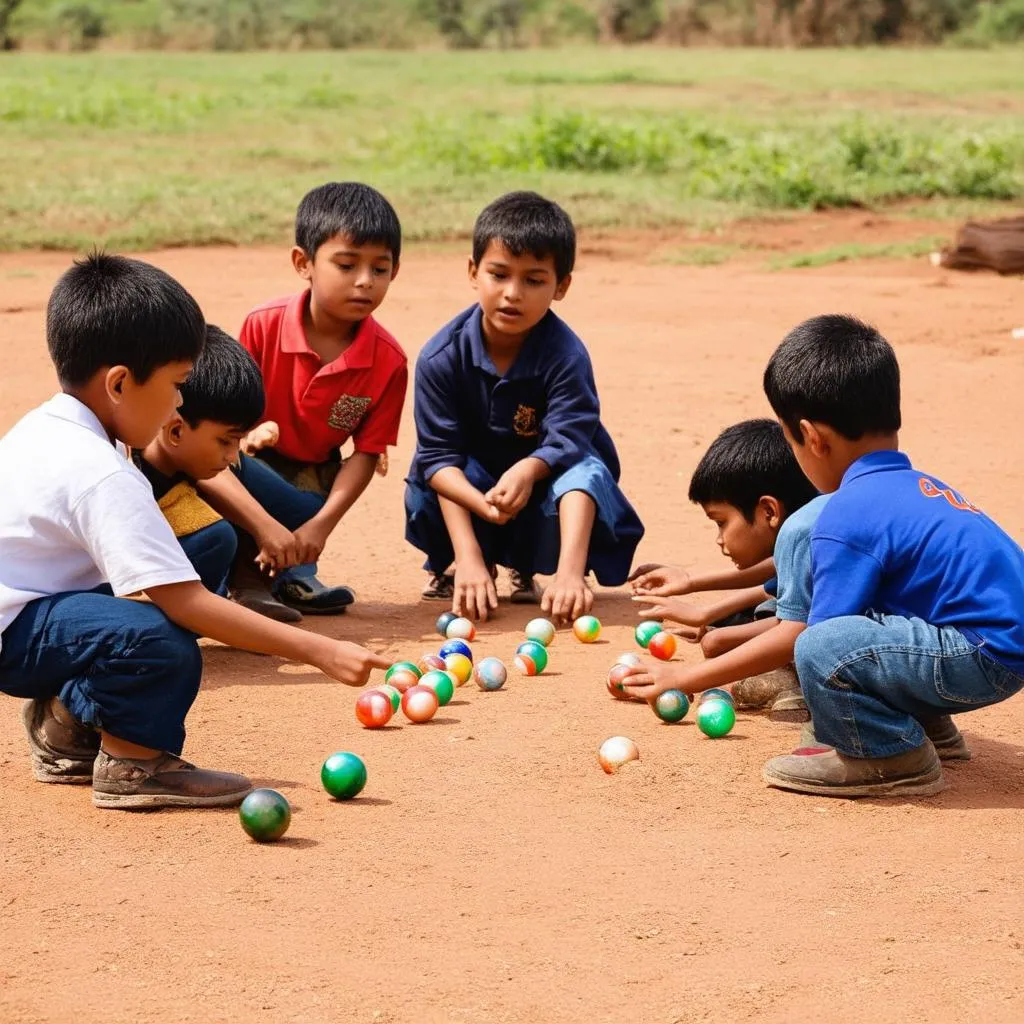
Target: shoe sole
[
  {"x": 149, "y": 801},
  {"x": 929, "y": 784},
  {"x": 792, "y": 715},
  {"x": 68, "y": 778},
  {"x": 955, "y": 752}
]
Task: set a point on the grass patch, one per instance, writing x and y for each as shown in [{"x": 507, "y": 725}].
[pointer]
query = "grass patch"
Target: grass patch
[
  {"x": 856, "y": 251},
  {"x": 699, "y": 255},
  {"x": 142, "y": 150}
]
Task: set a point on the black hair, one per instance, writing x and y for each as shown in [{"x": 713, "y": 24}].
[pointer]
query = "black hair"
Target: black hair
[
  {"x": 111, "y": 311},
  {"x": 835, "y": 370},
  {"x": 749, "y": 461},
  {"x": 525, "y": 222},
  {"x": 347, "y": 208},
  {"x": 225, "y": 385}
]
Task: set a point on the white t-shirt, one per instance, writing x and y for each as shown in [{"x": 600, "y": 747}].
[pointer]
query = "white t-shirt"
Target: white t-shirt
[{"x": 75, "y": 513}]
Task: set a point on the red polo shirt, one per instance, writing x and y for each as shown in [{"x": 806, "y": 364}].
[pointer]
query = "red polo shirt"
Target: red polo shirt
[{"x": 317, "y": 407}]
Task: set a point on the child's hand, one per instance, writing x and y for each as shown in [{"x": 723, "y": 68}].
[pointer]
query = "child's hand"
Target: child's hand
[
  {"x": 475, "y": 595},
  {"x": 266, "y": 435},
  {"x": 672, "y": 608},
  {"x": 567, "y": 598},
  {"x": 278, "y": 549},
  {"x": 661, "y": 581},
  {"x": 649, "y": 680},
  {"x": 311, "y": 537},
  {"x": 348, "y": 663},
  {"x": 495, "y": 515},
  {"x": 512, "y": 492}
]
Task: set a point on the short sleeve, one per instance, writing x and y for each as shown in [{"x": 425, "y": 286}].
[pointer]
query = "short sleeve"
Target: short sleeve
[
  {"x": 793, "y": 565},
  {"x": 380, "y": 428},
  {"x": 251, "y": 337},
  {"x": 845, "y": 579},
  {"x": 118, "y": 522}
]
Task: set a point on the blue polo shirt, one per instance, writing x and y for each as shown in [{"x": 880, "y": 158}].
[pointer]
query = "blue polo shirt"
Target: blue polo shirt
[
  {"x": 546, "y": 405},
  {"x": 895, "y": 540}
]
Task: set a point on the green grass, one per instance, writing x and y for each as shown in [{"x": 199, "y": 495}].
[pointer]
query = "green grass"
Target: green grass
[
  {"x": 140, "y": 150},
  {"x": 856, "y": 251}
]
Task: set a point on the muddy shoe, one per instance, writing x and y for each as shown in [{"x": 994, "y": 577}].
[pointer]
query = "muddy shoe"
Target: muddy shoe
[
  {"x": 789, "y": 706},
  {"x": 309, "y": 596},
  {"x": 760, "y": 691},
  {"x": 162, "y": 781},
  {"x": 947, "y": 739},
  {"x": 826, "y": 772},
  {"x": 440, "y": 587},
  {"x": 63, "y": 750},
  {"x": 260, "y": 600},
  {"x": 525, "y": 589}
]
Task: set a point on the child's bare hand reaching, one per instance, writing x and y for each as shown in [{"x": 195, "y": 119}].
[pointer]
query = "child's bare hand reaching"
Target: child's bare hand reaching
[
  {"x": 649, "y": 680},
  {"x": 567, "y": 598},
  {"x": 475, "y": 594},
  {"x": 661, "y": 581},
  {"x": 687, "y": 613}
]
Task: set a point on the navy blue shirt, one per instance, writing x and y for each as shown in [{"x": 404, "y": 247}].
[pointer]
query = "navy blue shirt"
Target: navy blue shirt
[
  {"x": 895, "y": 540},
  {"x": 545, "y": 406}
]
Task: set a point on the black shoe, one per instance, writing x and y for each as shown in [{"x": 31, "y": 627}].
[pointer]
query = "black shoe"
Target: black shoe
[{"x": 311, "y": 597}]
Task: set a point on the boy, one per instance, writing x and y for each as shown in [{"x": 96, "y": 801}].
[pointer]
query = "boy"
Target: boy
[
  {"x": 750, "y": 486},
  {"x": 918, "y": 597},
  {"x": 109, "y": 682},
  {"x": 220, "y": 403},
  {"x": 513, "y": 466},
  {"x": 331, "y": 373}
]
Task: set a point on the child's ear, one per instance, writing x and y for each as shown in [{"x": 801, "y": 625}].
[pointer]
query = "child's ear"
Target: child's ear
[
  {"x": 563, "y": 287},
  {"x": 302, "y": 263},
  {"x": 472, "y": 269},
  {"x": 114, "y": 382},
  {"x": 814, "y": 439},
  {"x": 173, "y": 430},
  {"x": 771, "y": 511}
]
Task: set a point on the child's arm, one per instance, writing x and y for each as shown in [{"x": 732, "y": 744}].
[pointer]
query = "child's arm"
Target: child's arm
[
  {"x": 353, "y": 478},
  {"x": 475, "y": 594},
  {"x": 670, "y": 581},
  {"x": 279, "y": 547},
  {"x": 700, "y": 616},
  {"x": 194, "y": 608},
  {"x": 771, "y": 650},
  {"x": 720, "y": 641}
]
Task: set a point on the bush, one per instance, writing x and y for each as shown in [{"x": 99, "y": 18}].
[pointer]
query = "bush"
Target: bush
[{"x": 996, "y": 22}]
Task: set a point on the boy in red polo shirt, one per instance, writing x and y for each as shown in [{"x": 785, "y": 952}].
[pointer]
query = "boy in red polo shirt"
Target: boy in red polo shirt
[{"x": 331, "y": 373}]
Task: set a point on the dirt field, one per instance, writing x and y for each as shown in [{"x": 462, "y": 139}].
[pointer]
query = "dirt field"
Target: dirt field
[{"x": 491, "y": 872}]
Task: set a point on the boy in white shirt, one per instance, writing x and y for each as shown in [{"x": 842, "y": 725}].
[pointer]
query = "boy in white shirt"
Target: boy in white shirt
[{"x": 109, "y": 681}]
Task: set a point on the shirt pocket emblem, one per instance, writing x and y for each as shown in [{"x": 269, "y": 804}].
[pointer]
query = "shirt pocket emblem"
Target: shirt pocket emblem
[
  {"x": 347, "y": 413},
  {"x": 524, "y": 423}
]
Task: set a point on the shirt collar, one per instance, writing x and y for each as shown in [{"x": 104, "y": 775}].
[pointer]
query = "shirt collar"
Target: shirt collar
[
  {"x": 67, "y": 407},
  {"x": 359, "y": 355},
  {"x": 876, "y": 462},
  {"x": 526, "y": 362}
]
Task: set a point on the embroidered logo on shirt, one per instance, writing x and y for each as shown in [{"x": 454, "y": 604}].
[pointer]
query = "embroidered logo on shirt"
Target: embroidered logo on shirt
[
  {"x": 524, "y": 423},
  {"x": 347, "y": 413}
]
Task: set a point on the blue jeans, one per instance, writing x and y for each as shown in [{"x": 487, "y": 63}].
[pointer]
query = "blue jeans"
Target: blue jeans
[
  {"x": 289, "y": 505},
  {"x": 211, "y": 551},
  {"x": 117, "y": 665},
  {"x": 531, "y": 542},
  {"x": 869, "y": 680}
]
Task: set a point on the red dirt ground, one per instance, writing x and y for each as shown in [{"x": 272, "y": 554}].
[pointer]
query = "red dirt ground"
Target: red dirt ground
[{"x": 491, "y": 872}]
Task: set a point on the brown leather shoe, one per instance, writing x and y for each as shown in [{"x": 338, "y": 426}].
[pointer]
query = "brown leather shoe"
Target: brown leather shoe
[
  {"x": 63, "y": 750},
  {"x": 825, "y": 772},
  {"x": 263, "y": 602},
  {"x": 164, "y": 781},
  {"x": 946, "y": 738}
]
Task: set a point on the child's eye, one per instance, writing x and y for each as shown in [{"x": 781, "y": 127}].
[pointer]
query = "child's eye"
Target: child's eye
[
  {"x": 381, "y": 271},
  {"x": 345, "y": 266},
  {"x": 497, "y": 276}
]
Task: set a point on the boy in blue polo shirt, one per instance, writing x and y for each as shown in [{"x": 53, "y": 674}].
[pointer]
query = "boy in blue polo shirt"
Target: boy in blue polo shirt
[
  {"x": 513, "y": 466},
  {"x": 917, "y": 608}
]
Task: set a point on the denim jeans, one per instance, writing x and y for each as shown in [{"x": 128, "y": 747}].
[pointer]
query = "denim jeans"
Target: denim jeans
[
  {"x": 119, "y": 665},
  {"x": 211, "y": 551},
  {"x": 869, "y": 680},
  {"x": 289, "y": 505},
  {"x": 531, "y": 542}
]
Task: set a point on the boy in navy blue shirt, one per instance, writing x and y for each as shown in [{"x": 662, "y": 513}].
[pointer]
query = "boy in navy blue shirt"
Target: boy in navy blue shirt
[
  {"x": 917, "y": 608},
  {"x": 513, "y": 466}
]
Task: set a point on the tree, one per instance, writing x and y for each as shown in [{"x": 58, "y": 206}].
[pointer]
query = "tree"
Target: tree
[{"x": 7, "y": 9}]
